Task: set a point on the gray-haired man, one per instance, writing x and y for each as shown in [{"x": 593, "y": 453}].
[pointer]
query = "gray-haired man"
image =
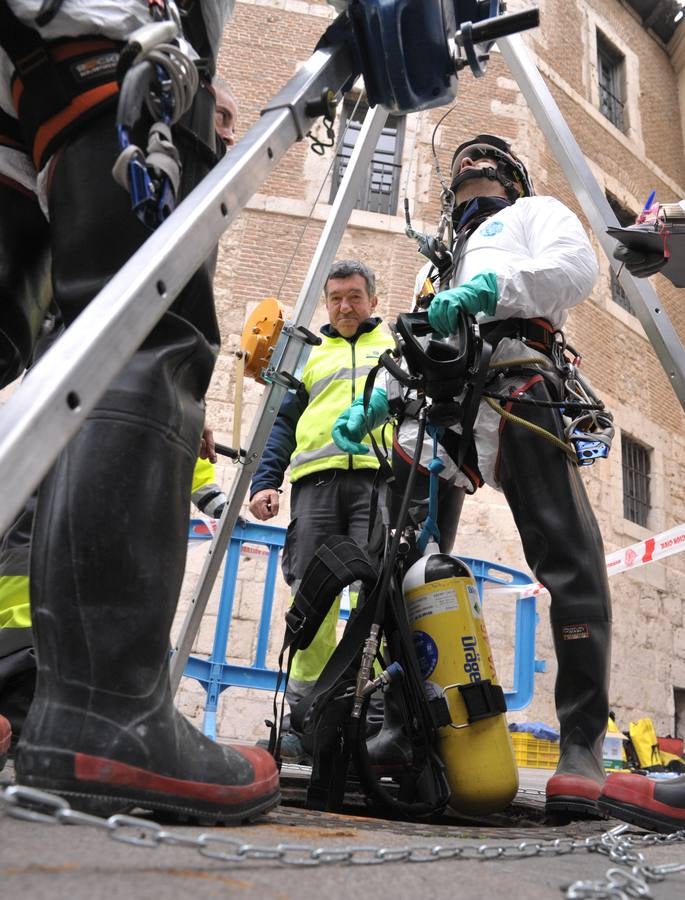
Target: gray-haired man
[{"x": 331, "y": 491}]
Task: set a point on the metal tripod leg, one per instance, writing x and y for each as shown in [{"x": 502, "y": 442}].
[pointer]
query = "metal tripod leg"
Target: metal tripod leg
[
  {"x": 52, "y": 402},
  {"x": 642, "y": 296},
  {"x": 309, "y": 296}
]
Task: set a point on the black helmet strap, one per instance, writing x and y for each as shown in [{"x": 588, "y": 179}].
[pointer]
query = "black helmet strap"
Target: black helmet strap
[{"x": 501, "y": 172}]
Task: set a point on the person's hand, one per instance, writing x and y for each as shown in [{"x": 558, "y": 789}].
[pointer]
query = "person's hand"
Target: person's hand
[
  {"x": 639, "y": 263},
  {"x": 477, "y": 295},
  {"x": 350, "y": 426},
  {"x": 264, "y": 504},
  {"x": 207, "y": 447}
]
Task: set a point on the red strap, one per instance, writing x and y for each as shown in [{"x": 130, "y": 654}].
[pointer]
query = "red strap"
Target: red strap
[{"x": 534, "y": 379}]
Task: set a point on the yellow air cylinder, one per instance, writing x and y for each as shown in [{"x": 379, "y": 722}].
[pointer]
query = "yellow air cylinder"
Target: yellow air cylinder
[{"x": 446, "y": 617}]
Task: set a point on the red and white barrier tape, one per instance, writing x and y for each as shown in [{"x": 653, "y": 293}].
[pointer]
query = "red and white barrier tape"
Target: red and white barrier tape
[
  {"x": 653, "y": 548},
  {"x": 650, "y": 550},
  {"x": 202, "y": 529}
]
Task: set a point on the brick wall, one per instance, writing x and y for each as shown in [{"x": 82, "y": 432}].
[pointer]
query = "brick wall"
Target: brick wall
[{"x": 268, "y": 251}]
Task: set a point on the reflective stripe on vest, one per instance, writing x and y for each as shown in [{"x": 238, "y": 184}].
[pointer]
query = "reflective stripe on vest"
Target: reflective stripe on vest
[{"x": 15, "y": 609}]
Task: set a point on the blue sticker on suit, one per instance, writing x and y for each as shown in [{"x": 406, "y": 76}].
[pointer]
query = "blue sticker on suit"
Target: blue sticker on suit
[{"x": 492, "y": 228}]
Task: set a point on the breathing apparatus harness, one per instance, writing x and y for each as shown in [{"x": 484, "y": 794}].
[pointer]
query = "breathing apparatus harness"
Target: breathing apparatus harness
[
  {"x": 444, "y": 379},
  {"x": 157, "y": 68}
]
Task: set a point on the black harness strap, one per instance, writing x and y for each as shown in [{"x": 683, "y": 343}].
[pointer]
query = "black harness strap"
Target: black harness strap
[
  {"x": 48, "y": 11},
  {"x": 483, "y": 699},
  {"x": 536, "y": 332},
  {"x": 195, "y": 30},
  {"x": 32, "y": 62},
  {"x": 470, "y": 409},
  {"x": 344, "y": 655},
  {"x": 339, "y": 561}
]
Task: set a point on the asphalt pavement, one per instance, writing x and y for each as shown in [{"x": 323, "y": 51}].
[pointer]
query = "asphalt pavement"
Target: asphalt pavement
[{"x": 298, "y": 854}]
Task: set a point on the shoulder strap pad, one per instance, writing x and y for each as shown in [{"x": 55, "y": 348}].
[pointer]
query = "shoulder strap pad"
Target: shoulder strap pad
[{"x": 339, "y": 561}]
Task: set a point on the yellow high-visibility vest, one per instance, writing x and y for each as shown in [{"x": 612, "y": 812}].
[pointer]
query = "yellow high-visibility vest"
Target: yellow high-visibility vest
[{"x": 334, "y": 376}]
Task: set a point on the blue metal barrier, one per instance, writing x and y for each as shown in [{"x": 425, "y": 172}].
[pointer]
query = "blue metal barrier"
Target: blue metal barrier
[
  {"x": 525, "y": 623},
  {"x": 215, "y": 674}
]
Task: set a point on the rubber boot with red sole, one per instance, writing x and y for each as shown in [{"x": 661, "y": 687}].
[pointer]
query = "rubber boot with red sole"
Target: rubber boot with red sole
[
  {"x": 640, "y": 800},
  {"x": 583, "y": 708},
  {"x": 563, "y": 547},
  {"x": 574, "y": 789}
]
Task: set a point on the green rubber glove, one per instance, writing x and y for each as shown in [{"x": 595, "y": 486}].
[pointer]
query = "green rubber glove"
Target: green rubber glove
[
  {"x": 350, "y": 426},
  {"x": 477, "y": 295}
]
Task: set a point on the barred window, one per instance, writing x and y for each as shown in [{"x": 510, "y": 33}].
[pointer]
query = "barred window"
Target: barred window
[
  {"x": 610, "y": 69},
  {"x": 625, "y": 218},
  {"x": 635, "y": 462},
  {"x": 380, "y": 190}
]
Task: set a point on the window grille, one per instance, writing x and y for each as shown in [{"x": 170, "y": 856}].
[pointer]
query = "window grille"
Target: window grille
[
  {"x": 610, "y": 66},
  {"x": 635, "y": 462},
  {"x": 380, "y": 190}
]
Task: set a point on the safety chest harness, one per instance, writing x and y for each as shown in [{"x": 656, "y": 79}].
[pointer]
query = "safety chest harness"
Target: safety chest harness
[
  {"x": 588, "y": 428},
  {"x": 56, "y": 83},
  {"x": 59, "y": 84},
  {"x": 588, "y": 425}
]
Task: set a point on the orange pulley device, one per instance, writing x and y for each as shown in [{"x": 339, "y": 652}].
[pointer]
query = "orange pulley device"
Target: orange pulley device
[{"x": 260, "y": 335}]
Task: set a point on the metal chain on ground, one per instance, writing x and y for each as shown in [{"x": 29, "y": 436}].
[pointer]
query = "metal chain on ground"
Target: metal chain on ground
[
  {"x": 633, "y": 879},
  {"x": 33, "y": 805}
]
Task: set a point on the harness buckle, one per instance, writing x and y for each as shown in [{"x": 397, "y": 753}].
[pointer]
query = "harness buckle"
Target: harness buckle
[{"x": 295, "y": 620}]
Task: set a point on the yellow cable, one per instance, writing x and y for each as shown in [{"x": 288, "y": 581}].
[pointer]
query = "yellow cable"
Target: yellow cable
[
  {"x": 517, "y": 420},
  {"x": 542, "y": 432}
]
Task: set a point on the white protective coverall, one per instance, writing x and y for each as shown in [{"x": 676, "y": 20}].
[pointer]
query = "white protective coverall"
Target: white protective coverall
[{"x": 545, "y": 265}]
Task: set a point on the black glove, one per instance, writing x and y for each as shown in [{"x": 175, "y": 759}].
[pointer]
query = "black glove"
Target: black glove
[{"x": 639, "y": 263}]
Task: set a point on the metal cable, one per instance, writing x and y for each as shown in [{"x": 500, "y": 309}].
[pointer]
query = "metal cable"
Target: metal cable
[{"x": 316, "y": 199}]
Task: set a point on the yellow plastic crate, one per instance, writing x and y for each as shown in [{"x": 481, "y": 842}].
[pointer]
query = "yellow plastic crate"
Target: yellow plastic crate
[{"x": 534, "y": 753}]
